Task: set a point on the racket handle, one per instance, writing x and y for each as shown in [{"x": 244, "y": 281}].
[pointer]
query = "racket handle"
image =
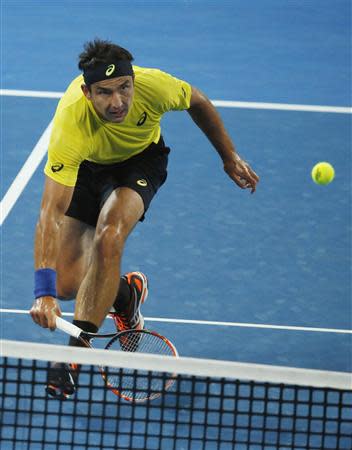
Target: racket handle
[{"x": 68, "y": 327}]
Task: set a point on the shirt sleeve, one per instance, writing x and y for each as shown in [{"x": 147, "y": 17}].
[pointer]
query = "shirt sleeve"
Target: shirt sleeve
[
  {"x": 175, "y": 94},
  {"x": 66, "y": 150}
]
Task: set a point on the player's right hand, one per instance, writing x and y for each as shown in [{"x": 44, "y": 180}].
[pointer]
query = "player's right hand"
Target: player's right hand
[{"x": 44, "y": 312}]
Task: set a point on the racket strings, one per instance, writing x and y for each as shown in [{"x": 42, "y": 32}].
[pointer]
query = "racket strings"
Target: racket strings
[{"x": 139, "y": 385}]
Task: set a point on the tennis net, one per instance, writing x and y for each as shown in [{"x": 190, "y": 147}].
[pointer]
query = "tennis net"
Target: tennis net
[{"x": 211, "y": 405}]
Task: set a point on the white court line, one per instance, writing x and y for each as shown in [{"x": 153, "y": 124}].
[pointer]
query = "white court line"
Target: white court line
[
  {"x": 214, "y": 323},
  {"x": 37, "y": 94},
  {"x": 218, "y": 103},
  {"x": 283, "y": 107},
  {"x": 25, "y": 174}
]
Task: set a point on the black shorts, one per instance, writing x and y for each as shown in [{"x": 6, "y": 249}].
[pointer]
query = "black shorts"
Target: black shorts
[{"x": 144, "y": 173}]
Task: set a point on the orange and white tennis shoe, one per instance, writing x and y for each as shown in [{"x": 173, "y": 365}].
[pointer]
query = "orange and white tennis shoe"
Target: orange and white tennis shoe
[{"x": 130, "y": 318}]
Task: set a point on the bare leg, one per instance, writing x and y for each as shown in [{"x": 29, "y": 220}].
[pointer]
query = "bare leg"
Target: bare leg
[
  {"x": 99, "y": 288},
  {"x": 76, "y": 242}
]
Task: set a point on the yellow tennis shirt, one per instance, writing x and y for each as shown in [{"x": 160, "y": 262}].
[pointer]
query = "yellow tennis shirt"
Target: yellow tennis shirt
[{"x": 79, "y": 134}]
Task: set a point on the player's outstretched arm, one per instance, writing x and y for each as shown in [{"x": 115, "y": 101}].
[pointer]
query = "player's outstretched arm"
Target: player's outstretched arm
[
  {"x": 55, "y": 201},
  {"x": 209, "y": 121}
]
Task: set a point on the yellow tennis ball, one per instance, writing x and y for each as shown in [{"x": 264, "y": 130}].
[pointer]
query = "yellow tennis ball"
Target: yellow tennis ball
[{"x": 323, "y": 173}]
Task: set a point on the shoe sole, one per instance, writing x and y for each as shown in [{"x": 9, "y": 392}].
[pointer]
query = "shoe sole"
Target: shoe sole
[
  {"x": 144, "y": 287},
  {"x": 143, "y": 298}
]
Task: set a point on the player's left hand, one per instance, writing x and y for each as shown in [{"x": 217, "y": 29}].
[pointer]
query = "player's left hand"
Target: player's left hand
[{"x": 241, "y": 173}]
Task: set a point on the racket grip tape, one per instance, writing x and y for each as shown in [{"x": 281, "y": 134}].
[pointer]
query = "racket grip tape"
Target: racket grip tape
[{"x": 68, "y": 327}]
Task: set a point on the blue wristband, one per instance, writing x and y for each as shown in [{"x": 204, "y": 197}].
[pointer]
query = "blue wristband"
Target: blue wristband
[{"x": 45, "y": 283}]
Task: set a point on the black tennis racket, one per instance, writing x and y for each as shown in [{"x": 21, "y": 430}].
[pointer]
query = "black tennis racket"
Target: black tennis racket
[{"x": 126, "y": 383}]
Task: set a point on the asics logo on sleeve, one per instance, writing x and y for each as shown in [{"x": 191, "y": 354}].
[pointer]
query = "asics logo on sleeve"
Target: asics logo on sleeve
[{"x": 57, "y": 167}]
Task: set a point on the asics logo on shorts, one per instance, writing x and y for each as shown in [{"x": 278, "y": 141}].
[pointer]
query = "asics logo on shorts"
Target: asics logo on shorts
[{"x": 142, "y": 182}]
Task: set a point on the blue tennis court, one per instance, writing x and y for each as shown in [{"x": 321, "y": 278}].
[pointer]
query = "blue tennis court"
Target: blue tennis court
[{"x": 263, "y": 278}]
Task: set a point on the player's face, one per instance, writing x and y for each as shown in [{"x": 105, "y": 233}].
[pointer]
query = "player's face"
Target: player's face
[{"x": 112, "y": 99}]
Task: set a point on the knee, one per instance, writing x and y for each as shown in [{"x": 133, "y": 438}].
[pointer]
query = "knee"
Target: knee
[{"x": 109, "y": 241}]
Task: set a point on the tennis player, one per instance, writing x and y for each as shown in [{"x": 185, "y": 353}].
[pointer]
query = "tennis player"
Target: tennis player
[{"x": 106, "y": 161}]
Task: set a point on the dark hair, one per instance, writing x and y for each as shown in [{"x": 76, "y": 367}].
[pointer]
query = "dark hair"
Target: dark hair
[{"x": 100, "y": 51}]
